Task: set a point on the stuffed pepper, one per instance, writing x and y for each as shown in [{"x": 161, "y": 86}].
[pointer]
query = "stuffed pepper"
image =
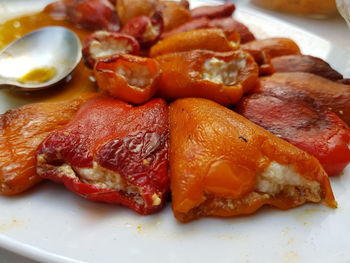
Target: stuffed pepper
[
  {"x": 112, "y": 152},
  {"x": 221, "y": 164}
]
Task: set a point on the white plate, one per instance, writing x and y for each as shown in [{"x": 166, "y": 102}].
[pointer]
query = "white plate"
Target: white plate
[{"x": 51, "y": 224}]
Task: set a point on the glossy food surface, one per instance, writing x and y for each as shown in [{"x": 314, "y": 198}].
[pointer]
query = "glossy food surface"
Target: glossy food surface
[
  {"x": 332, "y": 95},
  {"x": 292, "y": 114},
  {"x": 222, "y": 77},
  {"x": 112, "y": 152},
  {"x": 217, "y": 156},
  {"x": 21, "y": 132}
]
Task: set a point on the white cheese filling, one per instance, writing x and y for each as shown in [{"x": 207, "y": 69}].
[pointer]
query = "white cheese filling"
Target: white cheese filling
[
  {"x": 151, "y": 32},
  {"x": 139, "y": 76},
  {"x": 276, "y": 177},
  {"x": 222, "y": 72},
  {"x": 104, "y": 178},
  {"x": 109, "y": 46}
]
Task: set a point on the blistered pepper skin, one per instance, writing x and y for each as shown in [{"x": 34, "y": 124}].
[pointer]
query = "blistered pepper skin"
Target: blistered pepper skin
[
  {"x": 206, "y": 39},
  {"x": 112, "y": 152},
  {"x": 219, "y": 76},
  {"x": 102, "y": 43},
  {"x": 130, "y": 78},
  {"x": 294, "y": 116}
]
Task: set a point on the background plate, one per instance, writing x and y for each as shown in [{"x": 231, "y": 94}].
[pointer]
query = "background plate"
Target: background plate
[{"x": 51, "y": 224}]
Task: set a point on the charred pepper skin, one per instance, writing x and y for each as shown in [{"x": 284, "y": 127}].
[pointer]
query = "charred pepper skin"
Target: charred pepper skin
[
  {"x": 112, "y": 152},
  {"x": 294, "y": 116}
]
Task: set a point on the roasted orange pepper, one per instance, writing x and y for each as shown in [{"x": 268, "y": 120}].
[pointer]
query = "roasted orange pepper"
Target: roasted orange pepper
[
  {"x": 174, "y": 14},
  {"x": 219, "y": 76},
  {"x": 21, "y": 132},
  {"x": 198, "y": 23},
  {"x": 130, "y": 78},
  {"x": 129, "y": 9},
  {"x": 221, "y": 164},
  {"x": 207, "y": 39},
  {"x": 273, "y": 47}
]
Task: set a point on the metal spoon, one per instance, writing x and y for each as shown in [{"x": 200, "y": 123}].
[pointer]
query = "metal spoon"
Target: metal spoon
[{"x": 54, "y": 51}]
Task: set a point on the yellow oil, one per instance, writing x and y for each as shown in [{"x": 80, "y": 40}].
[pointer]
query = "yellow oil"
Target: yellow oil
[
  {"x": 80, "y": 79},
  {"x": 38, "y": 75}
]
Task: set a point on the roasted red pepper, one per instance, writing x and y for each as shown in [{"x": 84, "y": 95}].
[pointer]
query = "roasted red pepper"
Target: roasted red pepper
[
  {"x": 303, "y": 63},
  {"x": 145, "y": 29},
  {"x": 332, "y": 95},
  {"x": 90, "y": 14},
  {"x": 102, "y": 43},
  {"x": 57, "y": 9},
  {"x": 228, "y": 24},
  {"x": 129, "y": 78},
  {"x": 112, "y": 152},
  {"x": 214, "y": 11},
  {"x": 293, "y": 115}
]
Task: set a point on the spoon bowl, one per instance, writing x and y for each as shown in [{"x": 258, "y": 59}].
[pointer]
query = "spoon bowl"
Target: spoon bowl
[{"x": 39, "y": 59}]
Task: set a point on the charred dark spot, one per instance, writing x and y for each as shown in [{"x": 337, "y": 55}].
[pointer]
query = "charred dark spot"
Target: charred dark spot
[{"x": 242, "y": 138}]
